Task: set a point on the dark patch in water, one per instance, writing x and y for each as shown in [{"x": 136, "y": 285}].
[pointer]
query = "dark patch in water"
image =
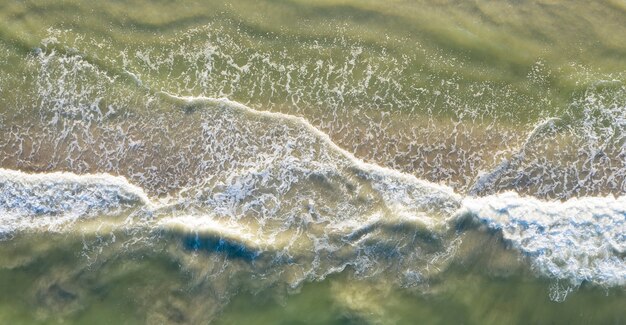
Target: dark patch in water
[
  {"x": 61, "y": 294},
  {"x": 211, "y": 244}
]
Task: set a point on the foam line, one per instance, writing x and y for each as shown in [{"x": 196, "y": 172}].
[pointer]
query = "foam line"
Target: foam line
[
  {"x": 367, "y": 167},
  {"x": 582, "y": 239},
  {"x": 485, "y": 180}
]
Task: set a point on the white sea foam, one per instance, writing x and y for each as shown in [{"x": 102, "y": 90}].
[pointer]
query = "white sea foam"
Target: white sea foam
[
  {"x": 366, "y": 167},
  {"x": 579, "y": 240},
  {"x": 48, "y": 201},
  {"x": 582, "y": 239},
  {"x": 485, "y": 180}
]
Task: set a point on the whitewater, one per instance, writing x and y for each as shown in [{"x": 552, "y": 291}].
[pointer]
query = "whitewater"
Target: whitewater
[
  {"x": 333, "y": 162},
  {"x": 579, "y": 239}
]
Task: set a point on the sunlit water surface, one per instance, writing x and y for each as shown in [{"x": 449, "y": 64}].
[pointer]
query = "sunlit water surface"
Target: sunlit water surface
[{"x": 327, "y": 162}]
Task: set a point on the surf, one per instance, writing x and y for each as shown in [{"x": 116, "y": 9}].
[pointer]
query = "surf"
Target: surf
[{"x": 578, "y": 240}]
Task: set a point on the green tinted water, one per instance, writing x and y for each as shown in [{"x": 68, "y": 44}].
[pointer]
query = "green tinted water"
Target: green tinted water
[
  {"x": 442, "y": 90},
  {"x": 55, "y": 279}
]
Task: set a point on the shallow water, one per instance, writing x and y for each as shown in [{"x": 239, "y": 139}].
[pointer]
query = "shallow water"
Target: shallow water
[{"x": 299, "y": 162}]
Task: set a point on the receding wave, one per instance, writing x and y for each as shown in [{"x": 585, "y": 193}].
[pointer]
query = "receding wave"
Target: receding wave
[
  {"x": 316, "y": 206},
  {"x": 389, "y": 164}
]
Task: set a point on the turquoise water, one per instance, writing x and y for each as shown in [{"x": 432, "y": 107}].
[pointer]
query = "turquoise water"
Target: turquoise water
[{"x": 329, "y": 162}]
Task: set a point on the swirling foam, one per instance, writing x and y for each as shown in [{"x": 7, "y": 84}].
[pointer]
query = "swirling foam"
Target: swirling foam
[
  {"x": 579, "y": 239},
  {"x": 48, "y": 201},
  {"x": 582, "y": 239}
]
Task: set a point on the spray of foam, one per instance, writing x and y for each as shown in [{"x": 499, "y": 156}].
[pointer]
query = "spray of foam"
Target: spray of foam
[
  {"x": 49, "y": 201},
  {"x": 582, "y": 239}
]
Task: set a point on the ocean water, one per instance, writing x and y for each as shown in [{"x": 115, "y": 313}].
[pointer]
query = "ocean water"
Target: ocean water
[{"x": 313, "y": 162}]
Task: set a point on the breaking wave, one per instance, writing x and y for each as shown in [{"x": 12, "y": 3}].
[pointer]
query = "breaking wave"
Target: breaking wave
[{"x": 298, "y": 203}]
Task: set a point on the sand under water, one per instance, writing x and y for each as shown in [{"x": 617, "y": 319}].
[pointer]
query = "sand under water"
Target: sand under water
[{"x": 336, "y": 162}]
